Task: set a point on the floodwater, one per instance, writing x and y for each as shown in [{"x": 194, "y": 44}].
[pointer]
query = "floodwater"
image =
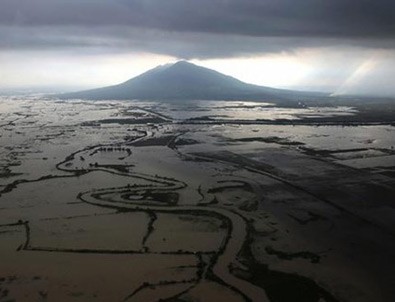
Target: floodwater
[{"x": 141, "y": 201}]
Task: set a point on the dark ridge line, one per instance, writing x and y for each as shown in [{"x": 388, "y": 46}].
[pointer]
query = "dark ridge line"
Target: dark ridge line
[
  {"x": 126, "y": 197},
  {"x": 27, "y": 229},
  {"x": 114, "y": 252},
  {"x": 312, "y": 217},
  {"x": 97, "y": 193},
  {"x": 314, "y": 258},
  {"x": 329, "y": 153},
  {"x": 200, "y": 193},
  {"x": 10, "y": 187},
  {"x": 156, "y": 179},
  {"x": 186, "y": 266},
  {"x": 139, "y": 209},
  {"x": 20, "y": 222},
  {"x": 76, "y": 216},
  {"x": 343, "y": 150},
  {"x": 150, "y": 228},
  {"x": 168, "y": 118},
  {"x": 241, "y": 184},
  {"x": 172, "y": 143},
  {"x": 287, "y": 123},
  {"x": 183, "y": 292},
  {"x": 200, "y": 267},
  {"x": 11, "y": 123},
  {"x": 162, "y": 283},
  {"x": 72, "y": 155},
  {"x": 128, "y": 121}
]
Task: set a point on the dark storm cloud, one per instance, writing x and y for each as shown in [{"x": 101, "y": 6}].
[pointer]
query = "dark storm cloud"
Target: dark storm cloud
[
  {"x": 196, "y": 28},
  {"x": 119, "y": 39},
  {"x": 245, "y": 17}
]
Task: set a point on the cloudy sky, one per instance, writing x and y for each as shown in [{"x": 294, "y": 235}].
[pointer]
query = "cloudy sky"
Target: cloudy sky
[{"x": 341, "y": 46}]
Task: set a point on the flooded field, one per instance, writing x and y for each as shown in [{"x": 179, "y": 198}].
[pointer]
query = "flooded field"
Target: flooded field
[{"x": 210, "y": 201}]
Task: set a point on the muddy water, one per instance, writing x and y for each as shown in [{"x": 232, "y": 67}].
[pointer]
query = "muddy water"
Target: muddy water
[{"x": 87, "y": 182}]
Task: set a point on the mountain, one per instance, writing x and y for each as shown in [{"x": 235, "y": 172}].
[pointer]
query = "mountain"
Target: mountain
[{"x": 185, "y": 81}]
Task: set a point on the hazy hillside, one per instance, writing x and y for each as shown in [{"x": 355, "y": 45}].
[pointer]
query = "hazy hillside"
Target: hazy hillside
[{"x": 184, "y": 80}]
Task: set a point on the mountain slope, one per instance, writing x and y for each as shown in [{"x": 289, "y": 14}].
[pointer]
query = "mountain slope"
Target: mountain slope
[{"x": 186, "y": 81}]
